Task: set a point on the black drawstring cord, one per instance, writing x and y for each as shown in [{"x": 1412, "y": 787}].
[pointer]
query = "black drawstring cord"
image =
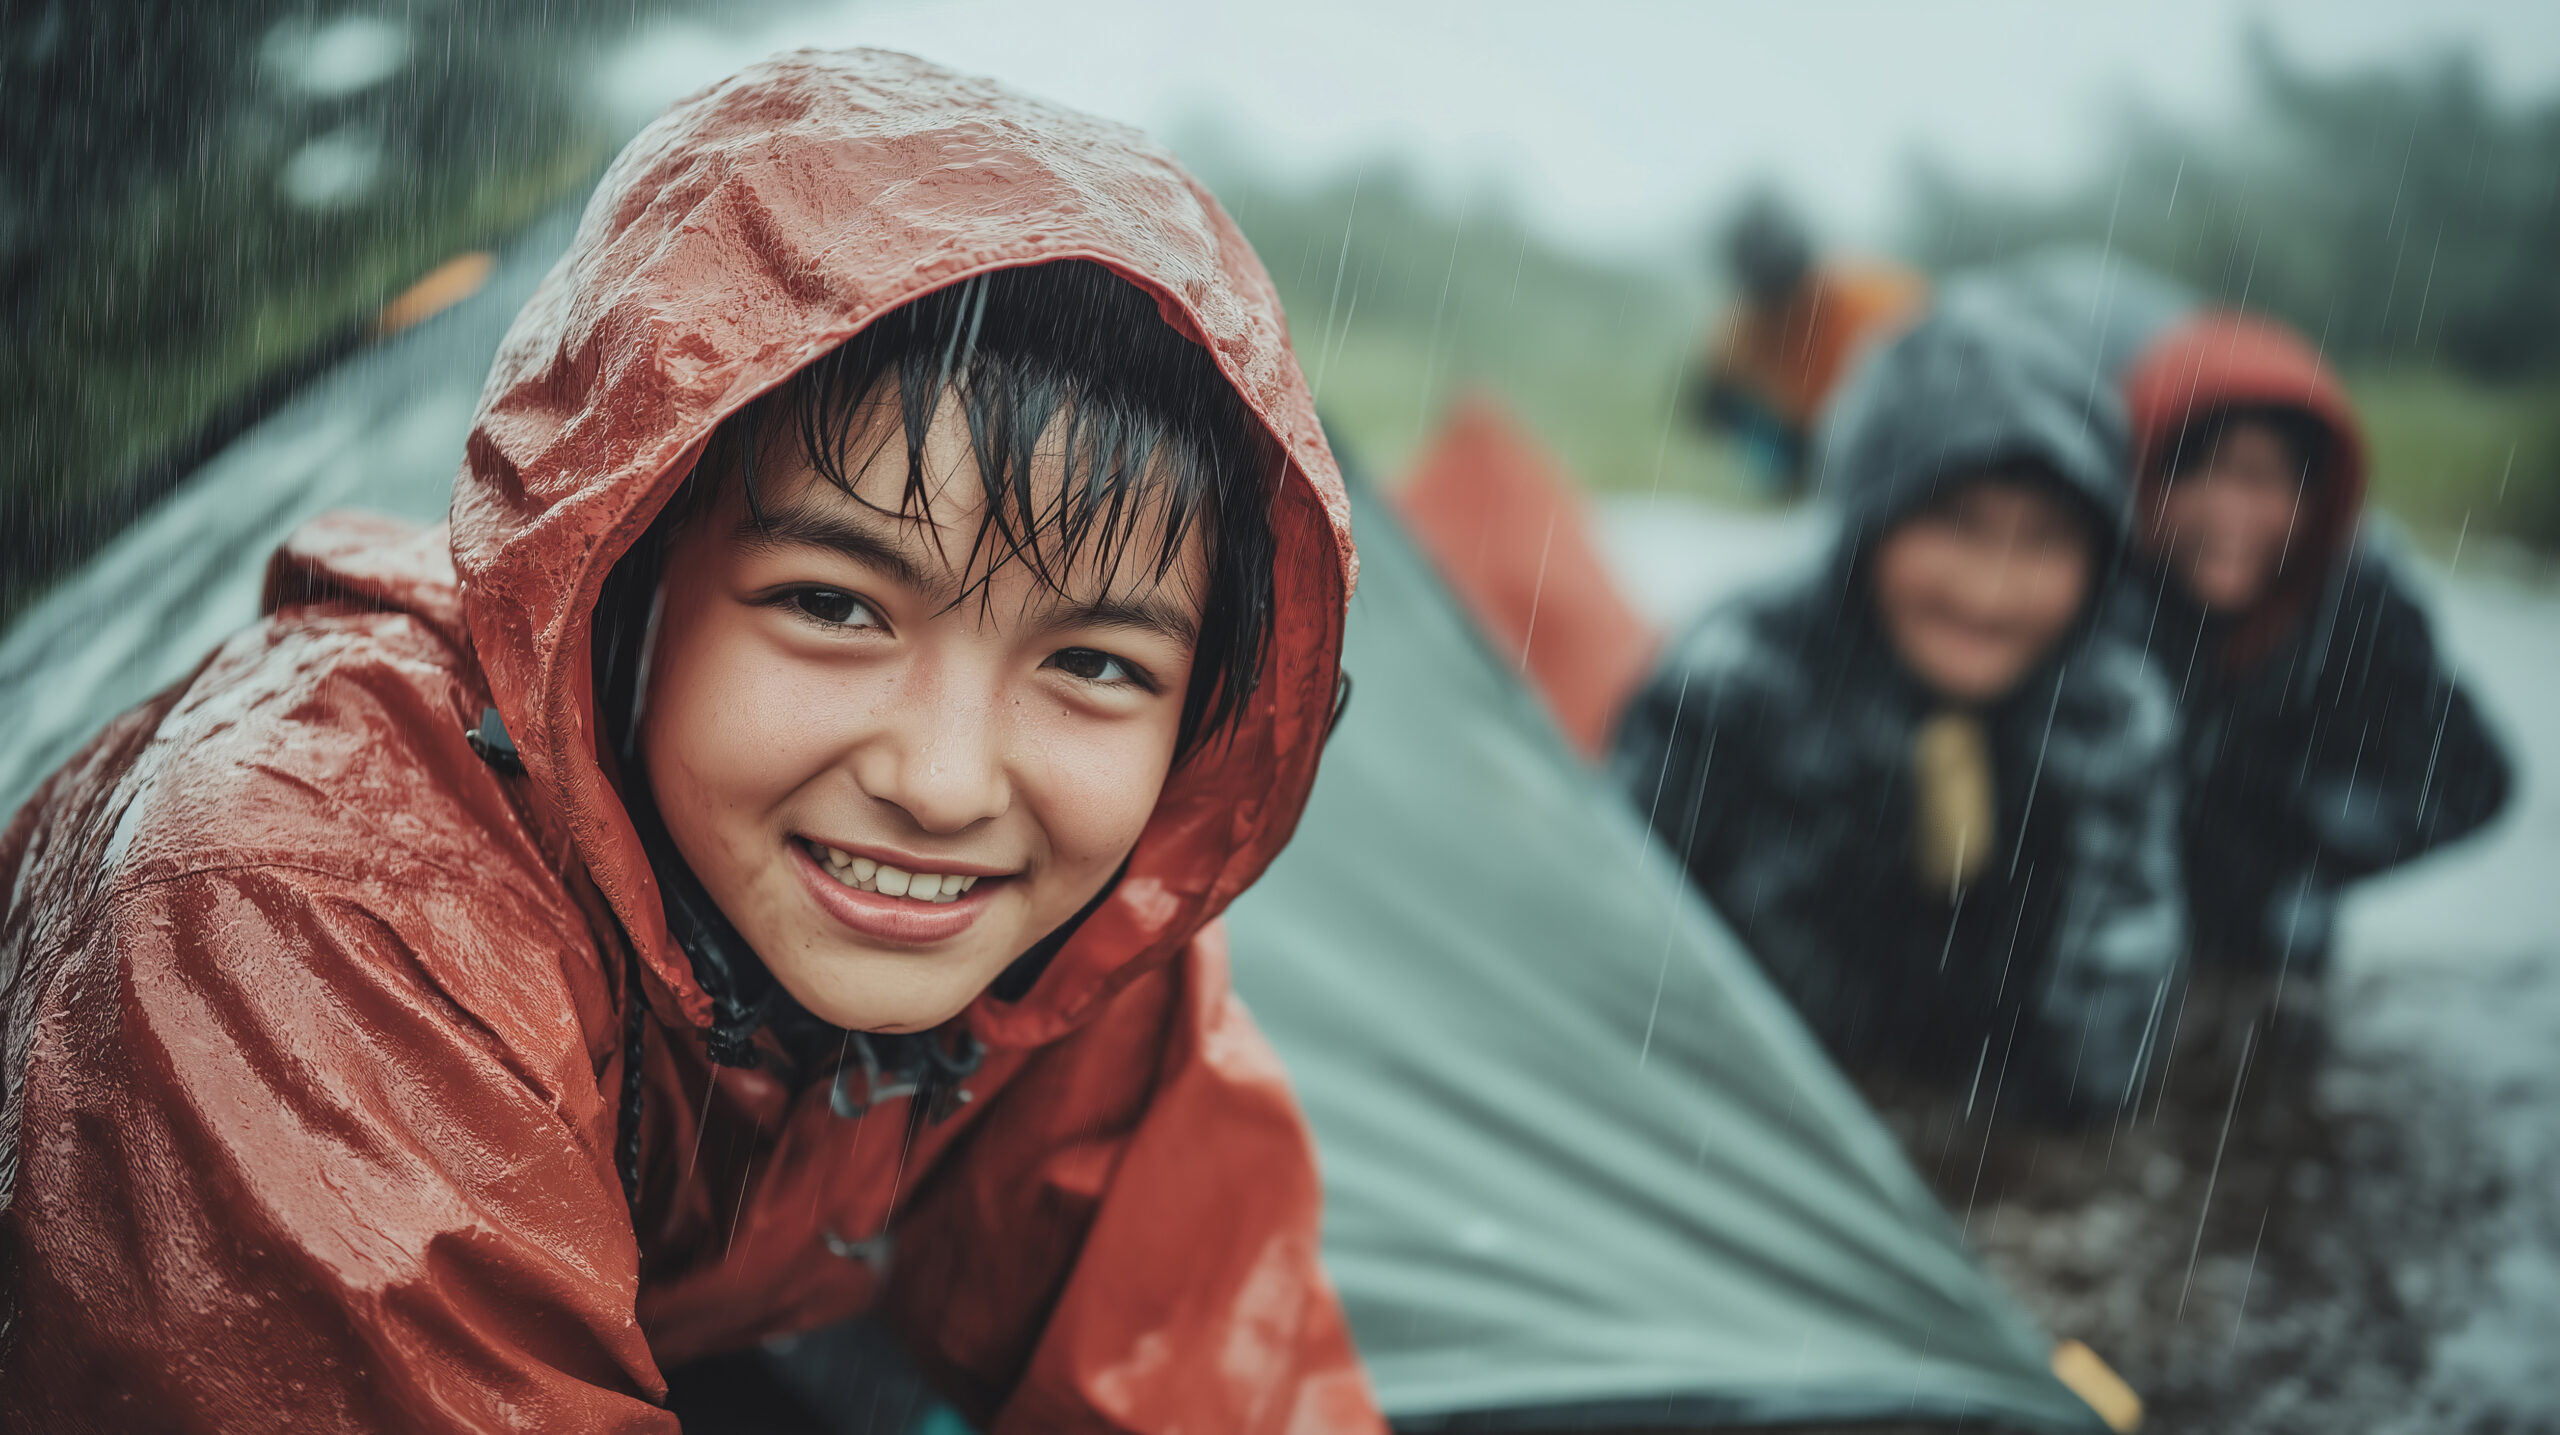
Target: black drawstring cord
[{"x": 626, "y": 1137}]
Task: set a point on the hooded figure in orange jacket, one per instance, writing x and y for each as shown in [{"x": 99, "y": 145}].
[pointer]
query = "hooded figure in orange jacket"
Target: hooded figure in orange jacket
[
  {"x": 2323, "y": 739},
  {"x": 761, "y": 865}
]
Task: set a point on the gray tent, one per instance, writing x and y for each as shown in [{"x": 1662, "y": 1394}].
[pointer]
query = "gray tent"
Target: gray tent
[{"x": 1584, "y": 1168}]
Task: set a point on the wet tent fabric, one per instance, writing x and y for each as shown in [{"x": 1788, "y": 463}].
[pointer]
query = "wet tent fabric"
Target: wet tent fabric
[
  {"x": 1506, "y": 528},
  {"x": 1583, "y": 1168}
]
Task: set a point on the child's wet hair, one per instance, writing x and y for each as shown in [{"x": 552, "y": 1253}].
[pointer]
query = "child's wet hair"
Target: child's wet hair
[
  {"x": 2305, "y": 438},
  {"x": 1157, "y": 447}
]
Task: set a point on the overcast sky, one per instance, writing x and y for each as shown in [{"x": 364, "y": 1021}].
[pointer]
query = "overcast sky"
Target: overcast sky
[{"x": 1616, "y": 124}]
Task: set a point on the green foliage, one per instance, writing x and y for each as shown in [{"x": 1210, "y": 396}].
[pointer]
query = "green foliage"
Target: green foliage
[
  {"x": 1398, "y": 302},
  {"x": 155, "y": 262}
]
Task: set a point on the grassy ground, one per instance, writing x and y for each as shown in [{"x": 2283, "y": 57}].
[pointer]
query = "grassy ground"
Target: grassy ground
[{"x": 2459, "y": 461}]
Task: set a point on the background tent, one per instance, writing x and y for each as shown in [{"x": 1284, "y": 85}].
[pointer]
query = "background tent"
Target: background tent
[
  {"x": 1505, "y": 525},
  {"x": 1583, "y": 1168}
]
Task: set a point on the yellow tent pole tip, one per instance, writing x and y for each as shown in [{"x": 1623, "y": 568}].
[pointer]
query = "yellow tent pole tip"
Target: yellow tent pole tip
[
  {"x": 2095, "y": 1382},
  {"x": 444, "y": 286}
]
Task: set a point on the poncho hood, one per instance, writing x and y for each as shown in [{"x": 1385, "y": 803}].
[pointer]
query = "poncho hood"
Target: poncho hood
[
  {"x": 2221, "y": 361},
  {"x": 1980, "y": 382},
  {"x": 758, "y": 225}
]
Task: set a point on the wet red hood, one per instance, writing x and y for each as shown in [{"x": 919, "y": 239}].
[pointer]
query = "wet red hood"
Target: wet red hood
[
  {"x": 2222, "y": 360},
  {"x": 757, "y": 225}
]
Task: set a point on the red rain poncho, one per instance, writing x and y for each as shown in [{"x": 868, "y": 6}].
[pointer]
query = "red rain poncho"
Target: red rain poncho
[{"x": 314, "y": 1021}]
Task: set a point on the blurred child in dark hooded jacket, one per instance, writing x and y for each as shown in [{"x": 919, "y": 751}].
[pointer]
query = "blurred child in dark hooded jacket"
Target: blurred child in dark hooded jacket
[
  {"x": 2322, "y": 738},
  {"x": 1932, "y": 795}
]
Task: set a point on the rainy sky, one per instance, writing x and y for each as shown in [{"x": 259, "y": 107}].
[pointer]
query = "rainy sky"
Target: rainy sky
[{"x": 1616, "y": 126}]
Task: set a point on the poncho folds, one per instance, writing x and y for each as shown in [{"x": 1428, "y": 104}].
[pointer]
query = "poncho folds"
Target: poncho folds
[{"x": 314, "y": 1020}]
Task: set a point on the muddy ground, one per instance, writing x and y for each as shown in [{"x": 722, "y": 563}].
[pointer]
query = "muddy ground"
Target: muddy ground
[{"x": 2290, "y": 1240}]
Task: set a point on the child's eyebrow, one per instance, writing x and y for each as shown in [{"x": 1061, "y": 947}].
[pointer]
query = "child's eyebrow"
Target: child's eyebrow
[
  {"x": 871, "y": 541},
  {"x": 1144, "y": 615},
  {"x": 855, "y": 535}
]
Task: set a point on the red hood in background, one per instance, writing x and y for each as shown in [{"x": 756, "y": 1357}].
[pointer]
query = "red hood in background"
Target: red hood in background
[
  {"x": 757, "y": 226},
  {"x": 2222, "y": 360}
]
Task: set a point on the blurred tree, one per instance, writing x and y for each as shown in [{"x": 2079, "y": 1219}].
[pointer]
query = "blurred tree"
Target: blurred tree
[
  {"x": 2395, "y": 213},
  {"x": 193, "y": 192}
]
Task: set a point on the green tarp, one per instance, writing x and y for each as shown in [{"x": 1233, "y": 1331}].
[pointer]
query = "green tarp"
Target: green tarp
[{"x": 1582, "y": 1166}]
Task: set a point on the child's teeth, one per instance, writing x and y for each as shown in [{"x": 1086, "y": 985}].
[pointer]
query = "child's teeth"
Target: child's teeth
[{"x": 869, "y": 876}]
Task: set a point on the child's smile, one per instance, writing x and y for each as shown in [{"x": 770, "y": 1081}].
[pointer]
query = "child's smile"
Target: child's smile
[
  {"x": 912, "y": 905},
  {"x": 894, "y": 769}
]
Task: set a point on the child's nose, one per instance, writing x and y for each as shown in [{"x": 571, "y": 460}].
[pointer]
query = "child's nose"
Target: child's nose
[{"x": 938, "y": 755}]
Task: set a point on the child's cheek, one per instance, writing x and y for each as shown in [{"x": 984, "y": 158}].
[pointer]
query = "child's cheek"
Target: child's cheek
[
  {"x": 1093, "y": 785},
  {"x": 735, "y": 726}
]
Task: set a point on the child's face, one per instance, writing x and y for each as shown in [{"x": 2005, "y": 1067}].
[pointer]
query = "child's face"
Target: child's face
[
  {"x": 2223, "y": 527},
  {"x": 1976, "y": 588},
  {"x": 815, "y": 693}
]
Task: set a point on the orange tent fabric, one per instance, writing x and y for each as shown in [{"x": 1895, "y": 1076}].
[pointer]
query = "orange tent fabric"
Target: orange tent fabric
[
  {"x": 1505, "y": 525},
  {"x": 1794, "y": 357}
]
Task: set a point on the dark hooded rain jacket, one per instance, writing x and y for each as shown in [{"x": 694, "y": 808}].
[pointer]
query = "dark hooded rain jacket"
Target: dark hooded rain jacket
[
  {"x": 2322, "y": 736},
  {"x": 315, "y": 1021},
  {"x": 1773, "y": 752}
]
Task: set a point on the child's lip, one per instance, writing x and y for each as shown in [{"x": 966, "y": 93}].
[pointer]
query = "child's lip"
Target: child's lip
[
  {"x": 892, "y": 921},
  {"x": 1974, "y": 631},
  {"x": 908, "y": 861}
]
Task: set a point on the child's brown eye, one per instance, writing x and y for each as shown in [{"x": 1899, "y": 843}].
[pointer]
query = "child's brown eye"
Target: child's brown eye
[
  {"x": 1095, "y": 666},
  {"x": 833, "y": 606}
]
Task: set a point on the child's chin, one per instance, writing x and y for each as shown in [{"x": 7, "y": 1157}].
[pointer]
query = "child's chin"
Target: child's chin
[
  {"x": 1975, "y": 684},
  {"x": 871, "y": 991}
]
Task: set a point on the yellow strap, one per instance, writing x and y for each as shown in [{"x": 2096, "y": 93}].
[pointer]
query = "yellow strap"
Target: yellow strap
[
  {"x": 2079, "y": 1368},
  {"x": 440, "y": 289},
  {"x": 1951, "y": 817}
]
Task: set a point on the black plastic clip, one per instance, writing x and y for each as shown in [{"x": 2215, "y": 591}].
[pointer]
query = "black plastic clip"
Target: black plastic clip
[
  {"x": 872, "y": 1251},
  {"x": 924, "y": 1071}
]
